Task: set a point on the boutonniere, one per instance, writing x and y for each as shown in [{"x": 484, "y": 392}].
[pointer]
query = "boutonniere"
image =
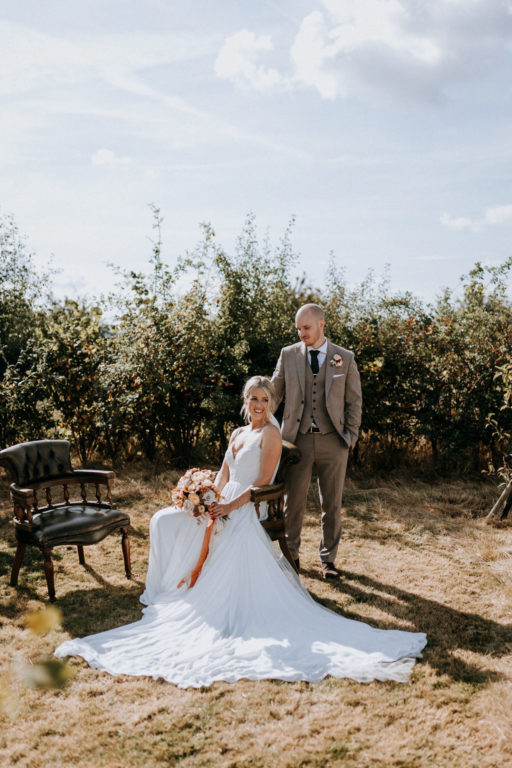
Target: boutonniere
[{"x": 336, "y": 362}]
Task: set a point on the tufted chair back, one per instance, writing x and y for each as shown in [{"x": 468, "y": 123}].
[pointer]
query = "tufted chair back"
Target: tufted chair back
[{"x": 37, "y": 460}]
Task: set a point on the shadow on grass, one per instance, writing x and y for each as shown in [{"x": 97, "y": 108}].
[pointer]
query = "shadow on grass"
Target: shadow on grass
[
  {"x": 32, "y": 581},
  {"x": 448, "y": 630},
  {"x": 101, "y": 580},
  {"x": 32, "y": 560},
  {"x": 6, "y": 559},
  {"x": 88, "y": 611}
]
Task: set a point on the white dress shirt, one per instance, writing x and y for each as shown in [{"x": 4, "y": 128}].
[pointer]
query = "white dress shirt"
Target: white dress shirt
[{"x": 321, "y": 357}]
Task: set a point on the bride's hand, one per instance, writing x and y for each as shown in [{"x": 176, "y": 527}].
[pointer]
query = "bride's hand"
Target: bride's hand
[{"x": 220, "y": 510}]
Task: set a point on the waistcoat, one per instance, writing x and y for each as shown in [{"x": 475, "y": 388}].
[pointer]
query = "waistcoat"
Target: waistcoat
[{"x": 314, "y": 401}]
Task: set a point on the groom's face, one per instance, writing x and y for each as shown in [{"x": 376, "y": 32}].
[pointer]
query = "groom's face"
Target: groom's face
[{"x": 310, "y": 328}]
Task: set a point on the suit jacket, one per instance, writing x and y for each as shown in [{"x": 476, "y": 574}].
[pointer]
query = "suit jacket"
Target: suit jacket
[{"x": 342, "y": 390}]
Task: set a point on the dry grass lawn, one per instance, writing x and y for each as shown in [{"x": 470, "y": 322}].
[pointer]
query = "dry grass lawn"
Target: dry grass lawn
[{"x": 415, "y": 556}]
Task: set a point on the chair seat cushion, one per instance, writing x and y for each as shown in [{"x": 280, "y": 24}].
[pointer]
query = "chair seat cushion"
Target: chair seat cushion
[{"x": 73, "y": 524}]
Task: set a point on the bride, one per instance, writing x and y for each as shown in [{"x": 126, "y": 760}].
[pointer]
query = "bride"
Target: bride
[{"x": 248, "y": 615}]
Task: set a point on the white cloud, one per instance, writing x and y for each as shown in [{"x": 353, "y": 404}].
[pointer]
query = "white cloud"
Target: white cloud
[
  {"x": 107, "y": 157},
  {"x": 356, "y": 44},
  {"x": 499, "y": 214},
  {"x": 459, "y": 223},
  {"x": 410, "y": 50},
  {"x": 238, "y": 61},
  {"x": 311, "y": 55}
]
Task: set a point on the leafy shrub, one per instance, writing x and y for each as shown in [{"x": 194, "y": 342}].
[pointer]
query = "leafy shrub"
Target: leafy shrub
[{"x": 162, "y": 377}]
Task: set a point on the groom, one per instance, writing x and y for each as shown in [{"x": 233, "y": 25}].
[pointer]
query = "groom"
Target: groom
[{"x": 320, "y": 384}]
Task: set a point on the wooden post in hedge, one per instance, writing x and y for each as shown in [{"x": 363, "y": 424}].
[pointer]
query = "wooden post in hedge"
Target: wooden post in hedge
[{"x": 502, "y": 507}]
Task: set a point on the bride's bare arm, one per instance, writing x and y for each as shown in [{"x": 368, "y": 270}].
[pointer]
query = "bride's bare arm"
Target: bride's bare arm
[
  {"x": 270, "y": 452},
  {"x": 271, "y": 444}
]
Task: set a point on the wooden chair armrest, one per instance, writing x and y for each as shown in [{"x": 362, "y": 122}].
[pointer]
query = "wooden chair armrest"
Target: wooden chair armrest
[
  {"x": 26, "y": 499},
  {"x": 60, "y": 480},
  {"x": 78, "y": 476},
  {"x": 25, "y": 504},
  {"x": 21, "y": 495},
  {"x": 267, "y": 492}
]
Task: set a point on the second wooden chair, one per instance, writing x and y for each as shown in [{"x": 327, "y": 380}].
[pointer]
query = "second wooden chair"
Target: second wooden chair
[{"x": 273, "y": 495}]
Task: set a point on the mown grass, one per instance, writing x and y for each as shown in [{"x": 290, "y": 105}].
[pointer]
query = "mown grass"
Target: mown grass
[{"x": 415, "y": 555}]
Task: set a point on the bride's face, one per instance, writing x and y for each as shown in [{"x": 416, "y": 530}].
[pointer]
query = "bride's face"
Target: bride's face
[{"x": 257, "y": 402}]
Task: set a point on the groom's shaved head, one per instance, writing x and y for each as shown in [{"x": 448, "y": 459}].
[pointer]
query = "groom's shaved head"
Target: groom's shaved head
[
  {"x": 310, "y": 322},
  {"x": 310, "y": 309}
]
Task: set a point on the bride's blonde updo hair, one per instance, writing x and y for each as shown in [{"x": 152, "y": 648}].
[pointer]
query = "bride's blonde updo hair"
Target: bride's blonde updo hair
[{"x": 258, "y": 382}]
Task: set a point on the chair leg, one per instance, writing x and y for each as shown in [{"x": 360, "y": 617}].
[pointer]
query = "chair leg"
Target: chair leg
[
  {"x": 81, "y": 556},
  {"x": 283, "y": 543},
  {"x": 18, "y": 559},
  {"x": 48, "y": 572},
  {"x": 125, "y": 543}
]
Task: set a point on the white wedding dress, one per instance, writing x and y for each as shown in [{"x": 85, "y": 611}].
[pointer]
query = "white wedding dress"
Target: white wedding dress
[{"x": 248, "y": 615}]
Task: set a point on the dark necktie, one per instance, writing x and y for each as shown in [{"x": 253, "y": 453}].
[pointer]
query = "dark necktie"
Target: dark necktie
[{"x": 314, "y": 360}]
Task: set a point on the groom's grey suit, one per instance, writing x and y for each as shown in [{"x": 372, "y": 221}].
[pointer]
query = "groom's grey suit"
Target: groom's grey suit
[{"x": 322, "y": 415}]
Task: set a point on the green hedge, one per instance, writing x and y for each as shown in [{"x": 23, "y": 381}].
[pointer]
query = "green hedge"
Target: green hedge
[{"x": 161, "y": 377}]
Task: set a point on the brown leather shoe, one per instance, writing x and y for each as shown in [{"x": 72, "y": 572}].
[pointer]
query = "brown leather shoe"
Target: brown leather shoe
[{"x": 329, "y": 571}]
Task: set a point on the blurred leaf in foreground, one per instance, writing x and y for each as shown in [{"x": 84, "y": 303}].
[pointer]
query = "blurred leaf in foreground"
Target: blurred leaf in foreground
[
  {"x": 50, "y": 673},
  {"x": 41, "y": 622}
]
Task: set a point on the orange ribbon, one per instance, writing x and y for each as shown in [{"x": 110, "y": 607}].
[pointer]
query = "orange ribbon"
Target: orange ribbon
[{"x": 194, "y": 573}]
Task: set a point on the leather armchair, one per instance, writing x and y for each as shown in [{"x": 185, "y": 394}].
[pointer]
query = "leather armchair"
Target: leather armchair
[{"x": 39, "y": 468}]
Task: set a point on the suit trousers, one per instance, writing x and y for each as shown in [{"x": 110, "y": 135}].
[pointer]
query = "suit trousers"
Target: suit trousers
[{"x": 329, "y": 455}]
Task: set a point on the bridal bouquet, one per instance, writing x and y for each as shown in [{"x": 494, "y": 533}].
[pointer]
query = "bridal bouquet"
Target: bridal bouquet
[{"x": 195, "y": 492}]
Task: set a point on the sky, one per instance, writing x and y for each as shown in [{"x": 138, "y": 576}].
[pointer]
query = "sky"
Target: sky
[{"x": 383, "y": 126}]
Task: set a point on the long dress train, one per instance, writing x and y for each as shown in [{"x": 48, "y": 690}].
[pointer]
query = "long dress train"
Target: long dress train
[{"x": 248, "y": 615}]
